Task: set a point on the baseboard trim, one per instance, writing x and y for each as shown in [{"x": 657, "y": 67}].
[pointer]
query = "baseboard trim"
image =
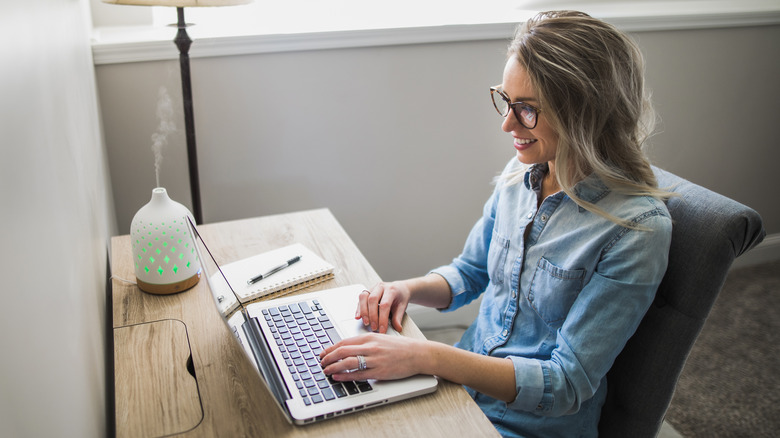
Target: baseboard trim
[{"x": 766, "y": 251}]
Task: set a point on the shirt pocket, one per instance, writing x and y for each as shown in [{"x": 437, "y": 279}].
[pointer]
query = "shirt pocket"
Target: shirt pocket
[
  {"x": 497, "y": 253},
  {"x": 553, "y": 290}
]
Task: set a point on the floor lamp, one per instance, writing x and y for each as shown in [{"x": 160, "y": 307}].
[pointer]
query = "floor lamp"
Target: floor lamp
[{"x": 183, "y": 43}]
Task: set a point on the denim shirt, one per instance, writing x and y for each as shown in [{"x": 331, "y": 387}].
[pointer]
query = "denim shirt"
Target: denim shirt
[{"x": 564, "y": 289}]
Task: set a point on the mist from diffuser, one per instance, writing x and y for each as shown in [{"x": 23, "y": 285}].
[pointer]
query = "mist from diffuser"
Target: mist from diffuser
[{"x": 163, "y": 254}]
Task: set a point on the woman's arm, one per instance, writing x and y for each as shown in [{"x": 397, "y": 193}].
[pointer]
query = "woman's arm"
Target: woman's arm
[{"x": 396, "y": 357}]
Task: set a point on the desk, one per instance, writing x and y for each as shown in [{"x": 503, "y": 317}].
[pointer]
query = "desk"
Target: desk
[{"x": 159, "y": 341}]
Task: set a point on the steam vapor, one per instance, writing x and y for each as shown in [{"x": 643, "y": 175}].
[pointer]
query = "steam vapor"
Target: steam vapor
[{"x": 165, "y": 127}]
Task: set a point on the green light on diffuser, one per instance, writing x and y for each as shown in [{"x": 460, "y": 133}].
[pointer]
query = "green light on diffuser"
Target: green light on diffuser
[
  {"x": 151, "y": 259},
  {"x": 157, "y": 251},
  {"x": 160, "y": 270},
  {"x": 175, "y": 269},
  {"x": 167, "y": 259},
  {"x": 146, "y": 269}
]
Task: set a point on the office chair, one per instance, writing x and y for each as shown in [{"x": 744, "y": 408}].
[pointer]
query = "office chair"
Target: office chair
[{"x": 708, "y": 232}]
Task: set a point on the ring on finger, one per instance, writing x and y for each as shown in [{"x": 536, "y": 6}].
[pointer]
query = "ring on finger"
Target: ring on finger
[{"x": 361, "y": 363}]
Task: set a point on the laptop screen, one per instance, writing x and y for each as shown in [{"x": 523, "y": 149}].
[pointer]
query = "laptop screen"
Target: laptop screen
[{"x": 235, "y": 317}]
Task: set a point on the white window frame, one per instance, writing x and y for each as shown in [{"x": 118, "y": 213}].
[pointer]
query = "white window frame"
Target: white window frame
[{"x": 265, "y": 25}]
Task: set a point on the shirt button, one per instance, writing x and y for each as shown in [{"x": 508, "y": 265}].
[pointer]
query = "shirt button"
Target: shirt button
[
  {"x": 545, "y": 217},
  {"x": 505, "y": 332},
  {"x": 530, "y": 215},
  {"x": 514, "y": 293}
]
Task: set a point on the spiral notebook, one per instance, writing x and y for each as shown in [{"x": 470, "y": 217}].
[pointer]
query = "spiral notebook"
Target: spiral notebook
[{"x": 311, "y": 269}]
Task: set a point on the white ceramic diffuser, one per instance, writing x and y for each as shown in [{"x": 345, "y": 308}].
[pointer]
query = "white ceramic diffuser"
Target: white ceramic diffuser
[{"x": 165, "y": 259}]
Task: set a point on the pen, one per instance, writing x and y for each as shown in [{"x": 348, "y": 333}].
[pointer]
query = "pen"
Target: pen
[{"x": 274, "y": 270}]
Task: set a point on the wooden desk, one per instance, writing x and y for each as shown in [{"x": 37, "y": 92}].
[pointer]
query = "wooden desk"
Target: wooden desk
[{"x": 155, "y": 337}]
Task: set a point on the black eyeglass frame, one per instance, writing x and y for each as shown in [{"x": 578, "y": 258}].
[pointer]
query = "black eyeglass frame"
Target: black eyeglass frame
[{"x": 513, "y": 106}]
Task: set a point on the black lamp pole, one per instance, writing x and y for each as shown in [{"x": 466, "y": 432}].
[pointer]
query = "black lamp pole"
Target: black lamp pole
[{"x": 183, "y": 42}]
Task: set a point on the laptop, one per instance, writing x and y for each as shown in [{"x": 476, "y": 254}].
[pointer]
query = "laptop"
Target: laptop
[{"x": 282, "y": 338}]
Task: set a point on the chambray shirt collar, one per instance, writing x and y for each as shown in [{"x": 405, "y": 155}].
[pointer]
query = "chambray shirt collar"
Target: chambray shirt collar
[
  {"x": 534, "y": 176},
  {"x": 591, "y": 189}
]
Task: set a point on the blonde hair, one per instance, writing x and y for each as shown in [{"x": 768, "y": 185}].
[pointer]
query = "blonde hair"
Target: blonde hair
[{"x": 590, "y": 80}]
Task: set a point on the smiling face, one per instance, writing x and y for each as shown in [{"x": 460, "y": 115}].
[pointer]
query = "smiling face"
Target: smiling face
[{"x": 533, "y": 146}]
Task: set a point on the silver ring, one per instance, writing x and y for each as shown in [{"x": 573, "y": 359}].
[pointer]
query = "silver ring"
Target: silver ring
[{"x": 361, "y": 363}]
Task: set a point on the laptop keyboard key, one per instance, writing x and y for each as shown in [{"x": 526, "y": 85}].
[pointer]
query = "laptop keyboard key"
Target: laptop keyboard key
[
  {"x": 328, "y": 394},
  {"x": 351, "y": 388},
  {"x": 339, "y": 390},
  {"x": 364, "y": 386},
  {"x": 333, "y": 334}
]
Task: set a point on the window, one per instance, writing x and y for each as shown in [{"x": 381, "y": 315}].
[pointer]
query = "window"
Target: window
[{"x": 303, "y": 16}]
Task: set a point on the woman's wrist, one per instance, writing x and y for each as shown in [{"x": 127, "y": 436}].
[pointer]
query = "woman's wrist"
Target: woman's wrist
[{"x": 429, "y": 356}]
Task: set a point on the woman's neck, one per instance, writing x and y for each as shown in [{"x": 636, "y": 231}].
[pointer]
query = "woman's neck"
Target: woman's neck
[{"x": 550, "y": 182}]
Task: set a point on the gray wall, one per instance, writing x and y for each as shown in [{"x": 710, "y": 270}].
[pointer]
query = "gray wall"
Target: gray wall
[
  {"x": 401, "y": 142},
  {"x": 56, "y": 215}
]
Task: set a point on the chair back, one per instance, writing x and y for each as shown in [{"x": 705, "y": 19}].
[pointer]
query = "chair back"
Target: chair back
[{"x": 708, "y": 232}]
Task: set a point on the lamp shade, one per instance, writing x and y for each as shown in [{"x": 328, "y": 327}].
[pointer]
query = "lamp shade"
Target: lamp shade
[
  {"x": 179, "y": 3},
  {"x": 163, "y": 253}
]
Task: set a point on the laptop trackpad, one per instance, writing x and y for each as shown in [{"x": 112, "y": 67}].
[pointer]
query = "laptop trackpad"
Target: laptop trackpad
[{"x": 354, "y": 327}]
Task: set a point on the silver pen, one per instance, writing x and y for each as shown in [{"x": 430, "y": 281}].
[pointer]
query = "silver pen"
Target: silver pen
[{"x": 274, "y": 270}]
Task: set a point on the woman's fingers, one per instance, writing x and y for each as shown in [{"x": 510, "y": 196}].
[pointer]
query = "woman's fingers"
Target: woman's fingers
[{"x": 373, "y": 356}]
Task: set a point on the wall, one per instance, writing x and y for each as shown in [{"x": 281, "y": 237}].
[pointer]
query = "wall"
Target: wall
[
  {"x": 716, "y": 92},
  {"x": 56, "y": 215},
  {"x": 401, "y": 142}
]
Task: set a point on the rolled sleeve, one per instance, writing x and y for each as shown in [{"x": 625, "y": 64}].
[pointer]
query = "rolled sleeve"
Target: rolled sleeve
[
  {"x": 530, "y": 382},
  {"x": 457, "y": 287}
]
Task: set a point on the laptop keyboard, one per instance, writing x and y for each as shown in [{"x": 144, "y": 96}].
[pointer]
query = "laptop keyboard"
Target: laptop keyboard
[{"x": 302, "y": 330}]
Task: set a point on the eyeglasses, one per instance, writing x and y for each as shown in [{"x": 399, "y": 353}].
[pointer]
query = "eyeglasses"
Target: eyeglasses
[{"x": 526, "y": 115}]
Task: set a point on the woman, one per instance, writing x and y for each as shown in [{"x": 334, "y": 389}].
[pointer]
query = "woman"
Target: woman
[{"x": 569, "y": 251}]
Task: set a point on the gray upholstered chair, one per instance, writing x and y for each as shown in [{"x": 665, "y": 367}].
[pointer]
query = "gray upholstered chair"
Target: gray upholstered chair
[{"x": 709, "y": 232}]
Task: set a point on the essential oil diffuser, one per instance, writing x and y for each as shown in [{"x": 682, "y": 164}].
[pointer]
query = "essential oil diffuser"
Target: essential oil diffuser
[{"x": 165, "y": 259}]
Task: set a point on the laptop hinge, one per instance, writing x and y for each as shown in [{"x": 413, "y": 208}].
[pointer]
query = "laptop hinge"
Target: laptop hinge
[{"x": 263, "y": 357}]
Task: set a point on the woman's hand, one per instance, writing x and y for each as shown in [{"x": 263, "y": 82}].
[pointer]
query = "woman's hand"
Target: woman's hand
[
  {"x": 387, "y": 357},
  {"x": 386, "y": 303}
]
